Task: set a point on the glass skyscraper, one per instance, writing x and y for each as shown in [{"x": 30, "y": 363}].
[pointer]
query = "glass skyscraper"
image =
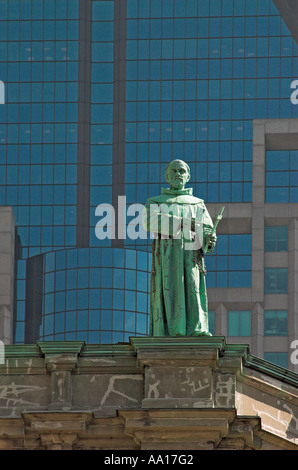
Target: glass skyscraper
[{"x": 100, "y": 96}]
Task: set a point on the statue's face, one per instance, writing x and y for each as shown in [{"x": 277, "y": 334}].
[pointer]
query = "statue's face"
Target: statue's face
[{"x": 178, "y": 175}]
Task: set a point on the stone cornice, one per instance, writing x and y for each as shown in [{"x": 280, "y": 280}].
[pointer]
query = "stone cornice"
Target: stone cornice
[{"x": 228, "y": 355}]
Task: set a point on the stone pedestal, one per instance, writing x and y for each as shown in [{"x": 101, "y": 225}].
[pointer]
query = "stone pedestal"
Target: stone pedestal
[{"x": 178, "y": 374}]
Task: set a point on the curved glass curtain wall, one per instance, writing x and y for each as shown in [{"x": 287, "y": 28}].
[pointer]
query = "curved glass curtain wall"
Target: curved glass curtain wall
[{"x": 95, "y": 295}]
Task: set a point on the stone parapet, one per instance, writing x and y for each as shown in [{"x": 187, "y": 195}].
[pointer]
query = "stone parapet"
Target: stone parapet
[{"x": 150, "y": 393}]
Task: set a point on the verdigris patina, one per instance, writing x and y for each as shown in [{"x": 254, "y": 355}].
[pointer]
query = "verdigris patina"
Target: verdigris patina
[{"x": 183, "y": 232}]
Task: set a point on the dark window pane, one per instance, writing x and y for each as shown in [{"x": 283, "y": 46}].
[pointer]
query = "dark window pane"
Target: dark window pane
[
  {"x": 276, "y": 280},
  {"x": 276, "y": 238},
  {"x": 279, "y": 358}
]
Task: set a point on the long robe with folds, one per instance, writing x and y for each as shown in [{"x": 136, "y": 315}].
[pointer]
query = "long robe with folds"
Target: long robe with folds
[{"x": 178, "y": 295}]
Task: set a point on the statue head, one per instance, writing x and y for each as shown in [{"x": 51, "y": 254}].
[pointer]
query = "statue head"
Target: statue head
[{"x": 177, "y": 174}]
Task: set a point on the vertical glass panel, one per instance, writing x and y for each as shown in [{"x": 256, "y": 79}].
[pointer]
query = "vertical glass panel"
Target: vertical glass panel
[
  {"x": 233, "y": 323},
  {"x": 276, "y": 323},
  {"x": 211, "y": 319},
  {"x": 103, "y": 10},
  {"x": 276, "y": 280},
  {"x": 276, "y": 238},
  {"x": 239, "y": 323}
]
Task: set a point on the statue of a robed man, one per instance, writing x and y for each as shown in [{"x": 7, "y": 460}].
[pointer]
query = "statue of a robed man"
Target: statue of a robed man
[{"x": 182, "y": 230}]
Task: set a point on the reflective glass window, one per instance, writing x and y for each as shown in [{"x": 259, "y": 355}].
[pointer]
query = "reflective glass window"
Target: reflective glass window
[
  {"x": 279, "y": 358},
  {"x": 102, "y": 10},
  {"x": 276, "y": 238},
  {"x": 281, "y": 176},
  {"x": 239, "y": 323},
  {"x": 276, "y": 280},
  {"x": 276, "y": 323},
  {"x": 211, "y": 319},
  {"x": 230, "y": 263}
]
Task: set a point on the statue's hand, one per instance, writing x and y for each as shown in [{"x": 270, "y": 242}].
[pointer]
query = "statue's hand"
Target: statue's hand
[{"x": 211, "y": 239}]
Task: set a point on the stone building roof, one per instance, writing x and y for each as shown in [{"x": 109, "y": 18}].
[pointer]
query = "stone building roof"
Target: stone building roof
[{"x": 148, "y": 394}]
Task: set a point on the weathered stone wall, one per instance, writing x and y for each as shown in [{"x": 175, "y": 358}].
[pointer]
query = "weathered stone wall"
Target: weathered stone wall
[{"x": 161, "y": 393}]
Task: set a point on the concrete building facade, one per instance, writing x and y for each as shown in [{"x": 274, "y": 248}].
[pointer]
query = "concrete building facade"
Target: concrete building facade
[
  {"x": 7, "y": 273},
  {"x": 253, "y": 218}
]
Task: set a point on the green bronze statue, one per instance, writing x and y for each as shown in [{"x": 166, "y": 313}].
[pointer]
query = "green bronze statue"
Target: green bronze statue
[{"x": 183, "y": 232}]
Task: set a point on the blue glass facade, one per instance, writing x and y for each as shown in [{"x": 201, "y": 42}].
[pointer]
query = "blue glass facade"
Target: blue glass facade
[
  {"x": 39, "y": 66},
  {"x": 162, "y": 79},
  {"x": 230, "y": 264},
  {"x": 38, "y": 127},
  {"x": 102, "y": 97},
  {"x": 89, "y": 294},
  {"x": 276, "y": 238},
  {"x": 281, "y": 176},
  {"x": 198, "y": 73}
]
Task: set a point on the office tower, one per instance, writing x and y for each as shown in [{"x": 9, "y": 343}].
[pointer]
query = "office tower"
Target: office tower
[
  {"x": 50, "y": 168},
  {"x": 100, "y": 96}
]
